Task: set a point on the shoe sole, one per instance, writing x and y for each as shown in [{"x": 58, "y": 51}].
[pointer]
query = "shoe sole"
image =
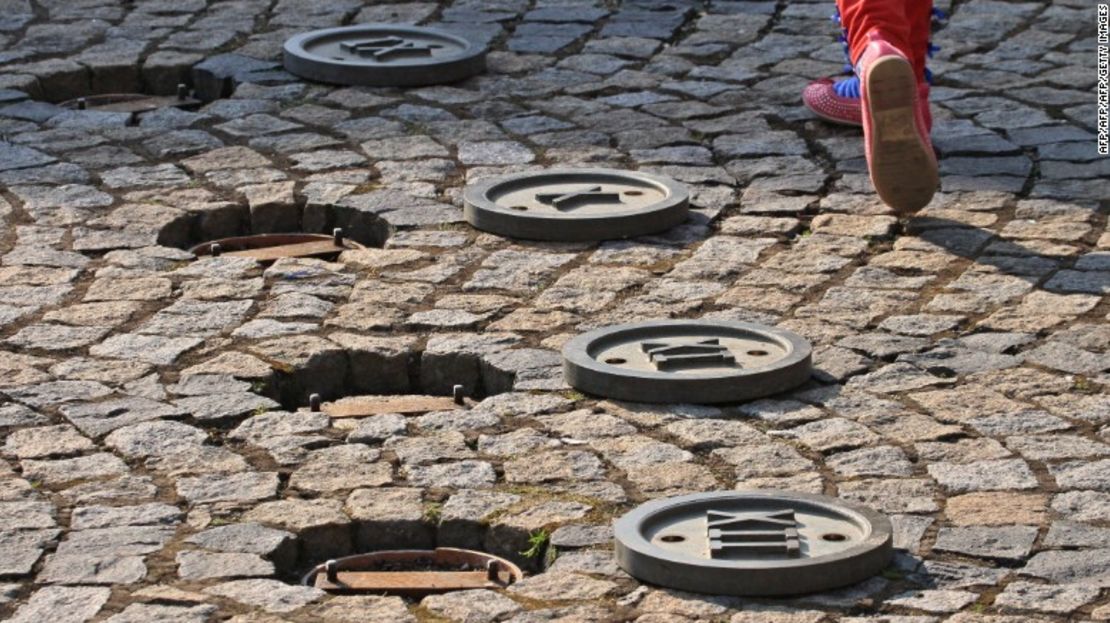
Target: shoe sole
[{"x": 903, "y": 168}]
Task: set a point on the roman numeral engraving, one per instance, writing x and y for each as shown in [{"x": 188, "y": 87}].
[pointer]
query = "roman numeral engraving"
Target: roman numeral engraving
[
  {"x": 388, "y": 48},
  {"x": 578, "y": 198},
  {"x": 771, "y": 532},
  {"x": 669, "y": 356}
]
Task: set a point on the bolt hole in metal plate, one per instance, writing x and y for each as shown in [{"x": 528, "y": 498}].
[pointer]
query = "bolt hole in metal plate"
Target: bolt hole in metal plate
[
  {"x": 753, "y": 543},
  {"x": 697, "y": 361},
  {"x": 576, "y": 204},
  {"x": 383, "y": 55},
  {"x": 414, "y": 573},
  {"x": 272, "y": 247}
]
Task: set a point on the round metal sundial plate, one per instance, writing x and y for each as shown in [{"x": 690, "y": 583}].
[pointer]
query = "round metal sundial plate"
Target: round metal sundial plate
[
  {"x": 383, "y": 55},
  {"x": 576, "y": 204},
  {"x": 753, "y": 543},
  {"x": 698, "y": 361}
]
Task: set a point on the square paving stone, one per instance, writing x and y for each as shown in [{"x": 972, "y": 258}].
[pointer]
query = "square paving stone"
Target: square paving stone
[
  {"x": 195, "y": 565},
  {"x": 21, "y": 549},
  {"x": 934, "y": 600},
  {"x": 61, "y": 471},
  {"x": 123, "y": 541},
  {"x": 31, "y": 443},
  {"x": 1088, "y": 567},
  {"x": 27, "y": 514},
  {"x": 269, "y": 595},
  {"x": 244, "y": 487},
  {"x": 1001, "y": 543},
  {"x": 99, "y": 418},
  {"x": 996, "y": 508},
  {"x": 998, "y": 475},
  {"x": 57, "y": 337},
  {"x": 1042, "y": 598},
  {"x": 62, "y": 604},
  {"x": 100, "y": 516},
  {"x": 92, "y": 569},
  {"x": 157, "y": 350}
]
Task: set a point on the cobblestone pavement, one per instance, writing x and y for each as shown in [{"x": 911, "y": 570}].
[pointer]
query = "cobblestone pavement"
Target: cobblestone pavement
[{"x": 159, "y": 463}]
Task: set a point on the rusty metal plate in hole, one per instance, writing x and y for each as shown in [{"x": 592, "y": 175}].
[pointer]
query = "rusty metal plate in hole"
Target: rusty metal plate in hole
[
  {"x": 272, "y": 247},
  {"x": 363, "y": 406},
  {"x": 131, "y": 102},
  {"x": 413, "y": 573}
]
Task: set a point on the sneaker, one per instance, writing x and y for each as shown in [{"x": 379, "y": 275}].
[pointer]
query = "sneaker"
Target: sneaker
[
  {"x": 896, "y": 137},
  {"x": 839, "y": 102}
]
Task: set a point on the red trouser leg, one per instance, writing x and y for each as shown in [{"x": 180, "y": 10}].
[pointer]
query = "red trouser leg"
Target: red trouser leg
[
  {"x": 919, "y": 13},
  {"x": 905, "y": 24}
]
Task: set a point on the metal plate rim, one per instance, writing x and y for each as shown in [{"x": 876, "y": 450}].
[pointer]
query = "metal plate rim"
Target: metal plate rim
[
  {"x": 635, "y": 551},
  {"x": 485, "y": 214},
  {"x": 584, "y": 372}
]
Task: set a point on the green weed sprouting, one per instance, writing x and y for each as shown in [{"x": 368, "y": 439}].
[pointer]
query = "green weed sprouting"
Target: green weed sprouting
[{"x": 537, "y": 541}]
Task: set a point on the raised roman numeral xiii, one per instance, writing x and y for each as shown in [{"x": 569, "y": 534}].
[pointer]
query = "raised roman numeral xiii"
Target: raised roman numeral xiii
[{"x": 770, "y": 532}]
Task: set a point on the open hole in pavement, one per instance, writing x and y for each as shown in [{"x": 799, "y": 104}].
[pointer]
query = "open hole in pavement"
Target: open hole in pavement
[
  {"x": 304, "y": 559},
  {"x": 375, "y": 390},
  {"x": 404, "y": 471},
  {"x": 271, "y": 216},
  {"x": 375, "y": 367}
]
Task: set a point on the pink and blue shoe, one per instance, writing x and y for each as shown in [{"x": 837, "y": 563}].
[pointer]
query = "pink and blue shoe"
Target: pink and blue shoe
[
  {"x": 839, "y": 101},
  {"x": 895, "y": 129}
]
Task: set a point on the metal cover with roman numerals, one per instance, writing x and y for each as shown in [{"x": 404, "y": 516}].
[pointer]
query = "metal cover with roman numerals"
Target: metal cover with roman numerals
[
  {"x": 753, "y": 543},
  {"x": 383, "y": 55},
  {"x": 576, "y": 204},
  {"x": 698, "y": 361}
]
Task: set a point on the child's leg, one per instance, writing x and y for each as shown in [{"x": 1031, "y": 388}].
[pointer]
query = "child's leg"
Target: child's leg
[
  {"x": 839, "y": 102},
  {"x": 919, "y": 16},
  {"x": 895, "y": 130},
  {"x": 890, "y": 17}
]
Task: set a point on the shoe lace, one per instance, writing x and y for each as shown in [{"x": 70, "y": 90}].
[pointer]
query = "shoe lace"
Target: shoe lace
[{"x": 848, "y": 88}]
